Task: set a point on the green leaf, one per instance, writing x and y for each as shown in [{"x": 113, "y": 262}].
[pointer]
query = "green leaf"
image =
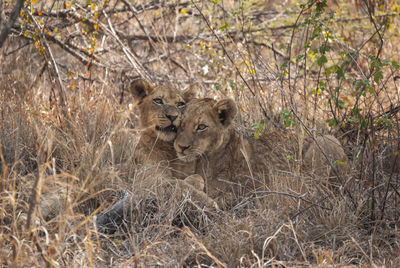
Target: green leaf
[
  {"x": 224, "y": 27},
  {"x": 370, "y": 89},
  {"x": 288, "y": 118},
  {"x": 338, "y": 162},
  {"x": 359, "y": 83},
  {"x": 378, "y": 76},
  {"x": 322, "y": 85},
  {"x": 284, "y": 65},
  {"x": 395, "y": 65},
  {"x": 331, "y": 122},
  {"x": 300, "y": 57},
  {"x": 322, "y": 60},
  {"x": 341, "y": 104},
  {"x": 256, "y": 126},
  {"x": 323, "y": 49},
  {"x": 330, "y": 70},
  {"x": 365, "y": 123},
  {"x": 351, "y": 119},
  {"x": 340, "y": 73},
  {"x": 355, "y": 111}
]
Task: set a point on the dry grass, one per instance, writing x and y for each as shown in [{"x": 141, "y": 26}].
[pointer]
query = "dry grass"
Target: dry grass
[{"x": 87, "y": 146}]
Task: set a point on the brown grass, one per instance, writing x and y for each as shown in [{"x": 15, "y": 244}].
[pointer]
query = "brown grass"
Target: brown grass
[{"x": 87, "y": 146}]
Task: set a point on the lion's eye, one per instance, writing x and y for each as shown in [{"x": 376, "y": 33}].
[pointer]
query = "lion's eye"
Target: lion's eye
[
  {"x": 158, "y": 101},
  {"x": 180, "y": 104},
  {"x": 201, "y": 127}
]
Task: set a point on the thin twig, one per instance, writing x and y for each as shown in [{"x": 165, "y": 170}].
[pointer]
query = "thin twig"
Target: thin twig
[
  {"x": 53, "y": 63},
  {"x": 132, "y": 59},
  {"x": 266, "y": 193},
  {"x": 307, "y": 208}
]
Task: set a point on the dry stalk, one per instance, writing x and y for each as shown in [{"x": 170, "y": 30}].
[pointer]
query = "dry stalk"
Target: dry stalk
[{"x": 186, "y": 231}]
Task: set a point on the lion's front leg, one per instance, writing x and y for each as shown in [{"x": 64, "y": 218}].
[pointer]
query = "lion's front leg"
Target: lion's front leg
[{"x": 194, "y": 185}]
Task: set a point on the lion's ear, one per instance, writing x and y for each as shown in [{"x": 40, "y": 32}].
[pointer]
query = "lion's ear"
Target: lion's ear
[
  {"x": 226, "y": 110},
  {"x": 190, "y": 94},
  {"x": 140, "y": 89}
]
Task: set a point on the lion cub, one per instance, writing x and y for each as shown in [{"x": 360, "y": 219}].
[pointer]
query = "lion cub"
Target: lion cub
[
  {"x": 232, "y": 165},
  {"x": 160, "y": 113},
  {"x": 163, "y": 173}
]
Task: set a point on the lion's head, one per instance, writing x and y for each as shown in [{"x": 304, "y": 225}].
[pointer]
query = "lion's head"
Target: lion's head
[
  {"x": 160, "y": 107},
  {"x": 205, "y": 128}
]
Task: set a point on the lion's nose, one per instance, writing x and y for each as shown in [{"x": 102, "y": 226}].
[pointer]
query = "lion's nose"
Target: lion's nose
[
  {"x": 172, "y": 117},
  {"x": 183, "y": 148}
]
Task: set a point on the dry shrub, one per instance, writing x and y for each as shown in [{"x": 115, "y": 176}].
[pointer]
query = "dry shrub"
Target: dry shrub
[
  {"x": 299, "y": 220},
  {"x": 264, "y": 54}
]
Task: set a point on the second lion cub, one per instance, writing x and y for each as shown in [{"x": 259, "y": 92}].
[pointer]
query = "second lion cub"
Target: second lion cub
[{"x": 232, "y": 165}]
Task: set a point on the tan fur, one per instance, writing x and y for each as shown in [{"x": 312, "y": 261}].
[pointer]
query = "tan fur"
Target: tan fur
[
  {"x": 233, "y": 165},
  {"x": 326, "y": 146},
  {"x": 160, "y": 115},
  {"x": 161, "y": 185}
]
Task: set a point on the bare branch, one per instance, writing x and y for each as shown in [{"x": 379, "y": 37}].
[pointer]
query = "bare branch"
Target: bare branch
[
  {"x": 13, "y": 17},
  {"x": 53, "y": 63},
  {"x": 132, "y": 59}
]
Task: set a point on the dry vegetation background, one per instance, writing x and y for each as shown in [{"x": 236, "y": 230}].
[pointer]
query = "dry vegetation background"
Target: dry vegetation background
[{"x": 311, "y": 66}]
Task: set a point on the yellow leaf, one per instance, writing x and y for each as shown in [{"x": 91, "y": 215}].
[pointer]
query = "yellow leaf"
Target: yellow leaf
[
  {"x": 183, "y": 11},
  {"x": 96, "y": 26},
  {"x": 91, "y": 6},
  {"x": 67, "y": 5}
]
